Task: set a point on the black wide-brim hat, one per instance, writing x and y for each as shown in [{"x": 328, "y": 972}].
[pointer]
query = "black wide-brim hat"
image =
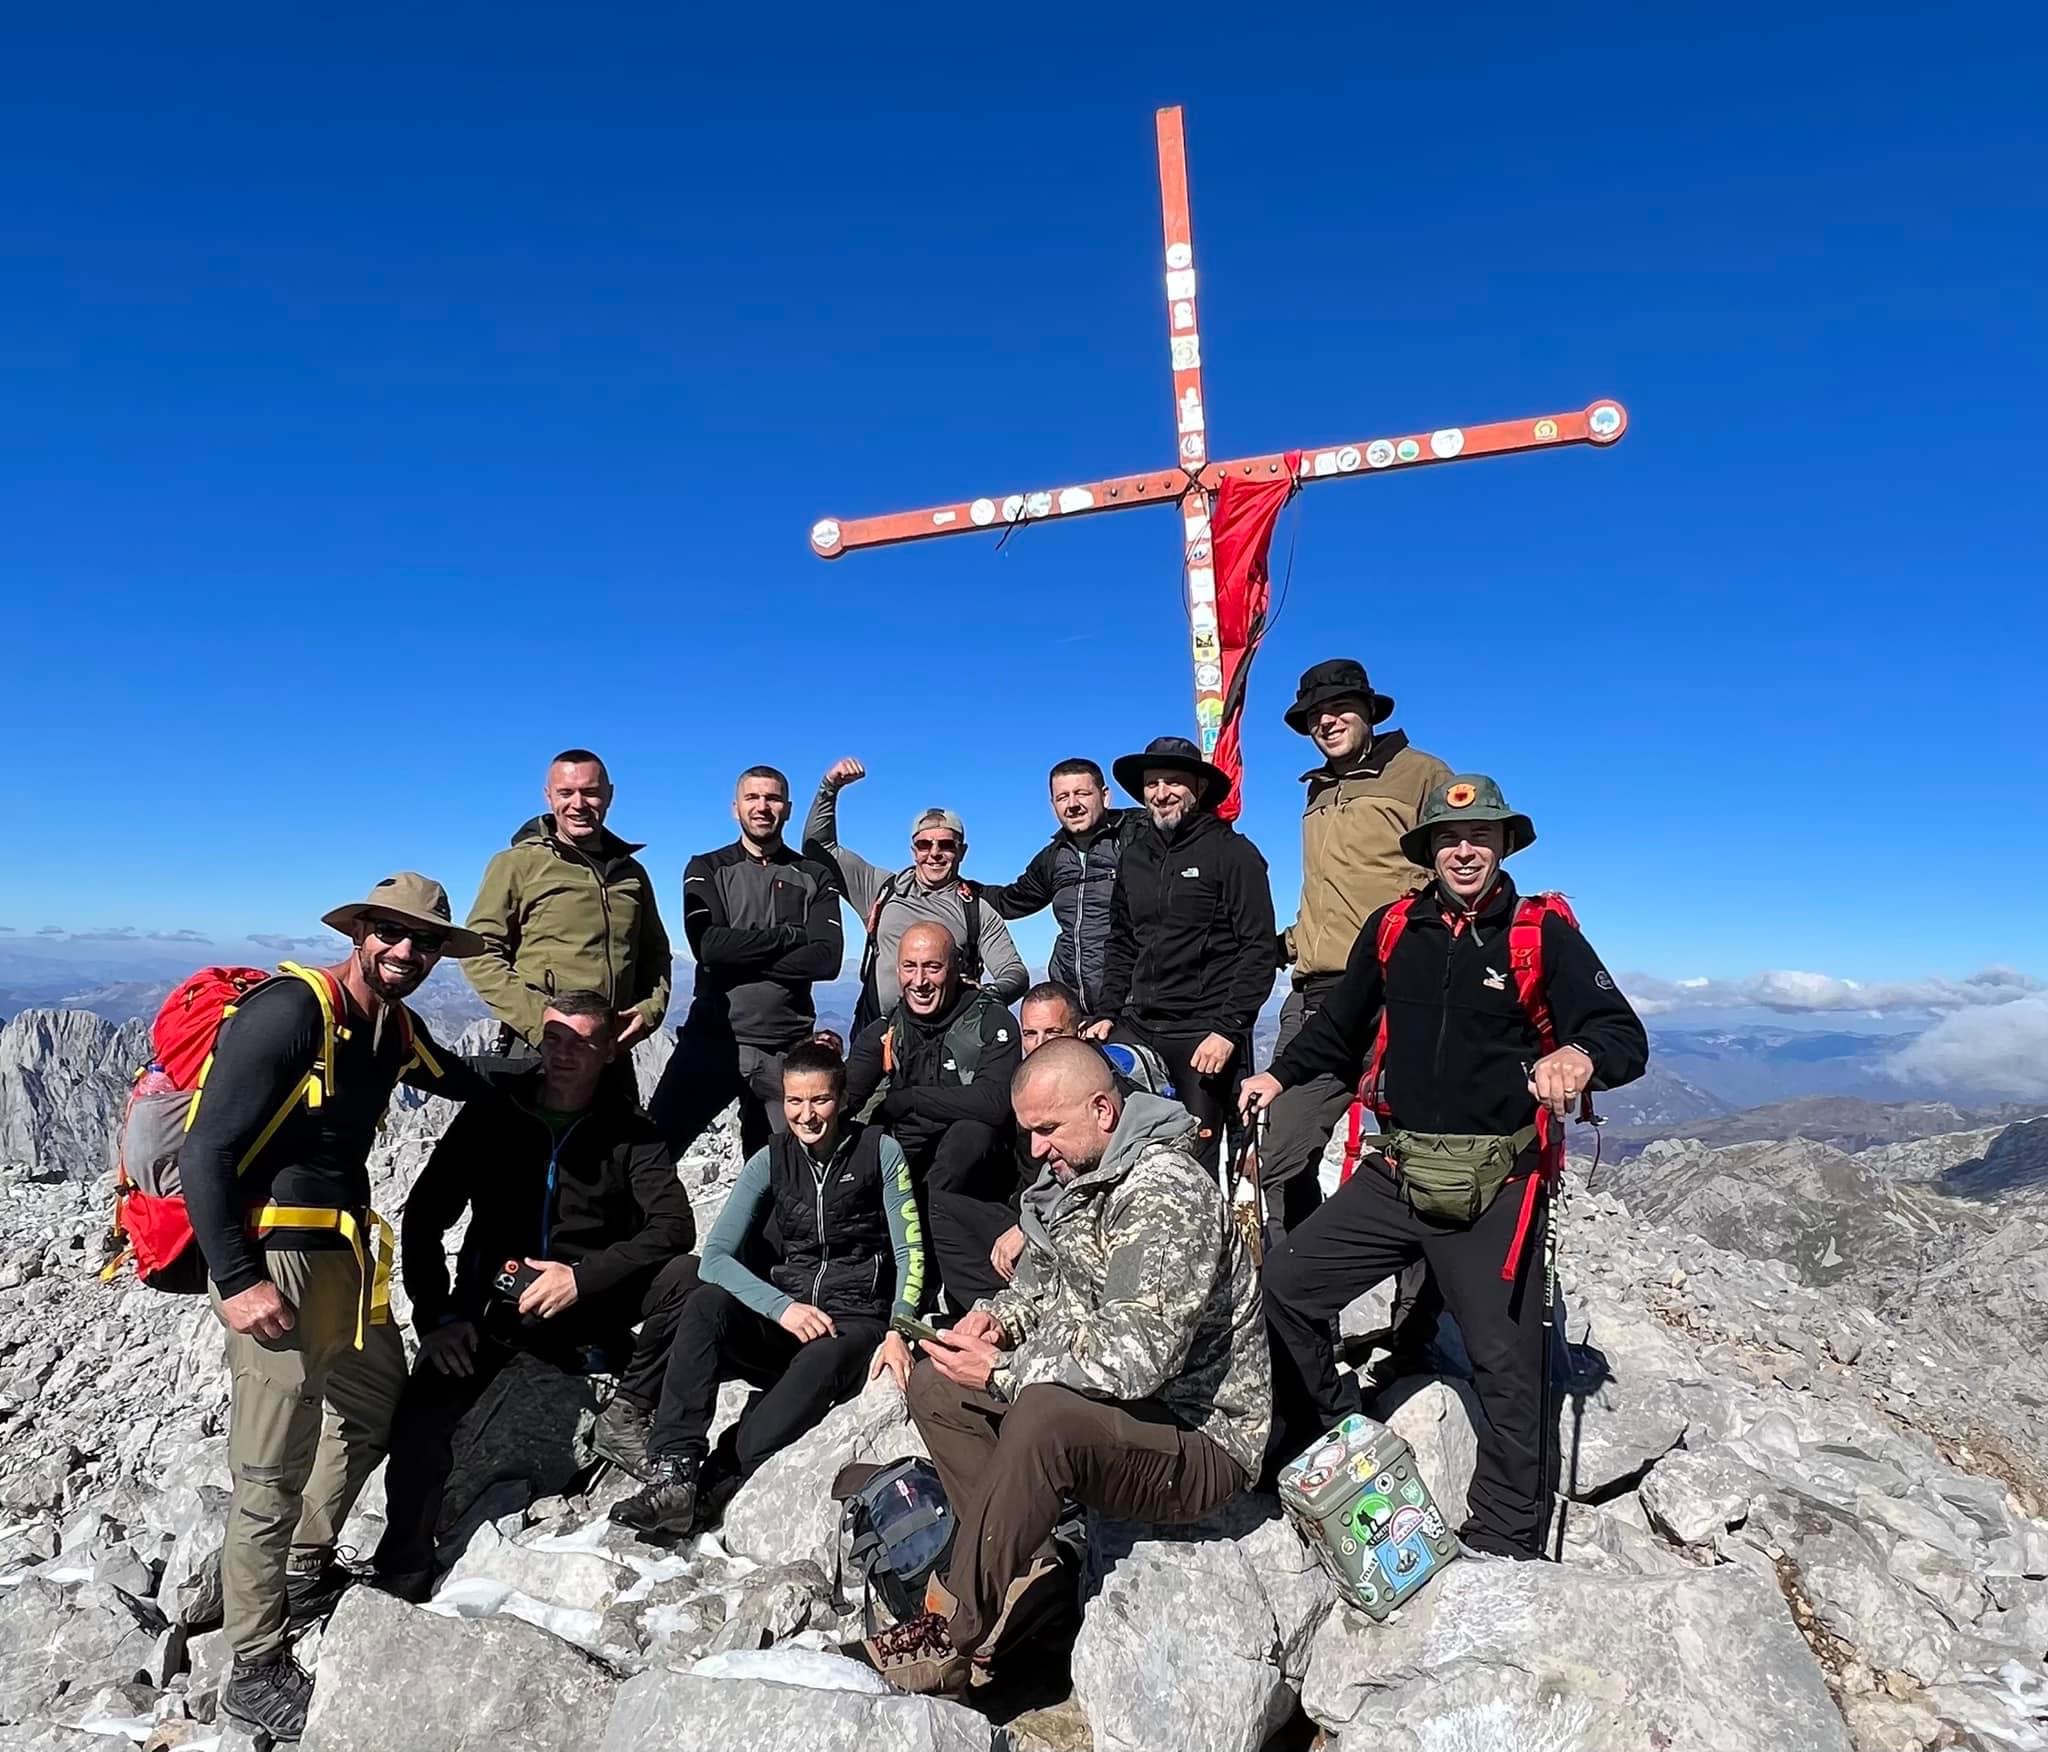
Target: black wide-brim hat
[
  {"x": 1337, "y": 678},
  {"x": 1179, "y": 755}
]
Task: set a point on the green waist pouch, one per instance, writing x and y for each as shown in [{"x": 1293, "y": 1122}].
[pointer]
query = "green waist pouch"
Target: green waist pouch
[{"x": 1454, "y": 1176}]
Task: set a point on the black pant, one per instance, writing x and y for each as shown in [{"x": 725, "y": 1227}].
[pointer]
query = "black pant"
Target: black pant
[
  {"x": 423, "y": 1430},
  {"x": 718, "y": 1337},
  {"x": 1212, "y": 1100},
  {"x": 708, "y": 1071},
  {"x": 1368, "y": 1231},
  {"x": 1299, "y": 1124},
  {"x": 966, "y": 1183}
]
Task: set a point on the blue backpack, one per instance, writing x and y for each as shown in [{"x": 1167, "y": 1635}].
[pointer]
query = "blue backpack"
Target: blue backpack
[{"x": 895, "y": 1530}]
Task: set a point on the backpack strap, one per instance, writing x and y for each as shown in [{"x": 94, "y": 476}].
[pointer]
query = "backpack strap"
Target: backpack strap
[
  {"x": 314, "y": 1087},
  {"x": 872, "y": 952},
  {"x": 1525, "y": 960},
  {"x": 970, "y": 951},
  {"x": 1393, "y": 923}
]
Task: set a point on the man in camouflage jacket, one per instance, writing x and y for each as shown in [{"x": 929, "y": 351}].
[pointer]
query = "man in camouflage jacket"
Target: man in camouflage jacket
[{"x": 1125, "y": 1365}]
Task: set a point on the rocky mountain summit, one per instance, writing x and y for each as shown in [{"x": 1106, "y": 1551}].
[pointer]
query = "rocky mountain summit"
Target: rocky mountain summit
[{"x": 1800, "y": 1491}]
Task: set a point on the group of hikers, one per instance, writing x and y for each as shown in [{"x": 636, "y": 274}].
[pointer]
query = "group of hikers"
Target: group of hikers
[{"x": 1017, "y": 1215}]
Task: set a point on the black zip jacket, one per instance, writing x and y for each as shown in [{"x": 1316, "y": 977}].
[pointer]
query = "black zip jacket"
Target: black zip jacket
[
  {"x": 835, "y": 1251},
  {"x": 926, "y": 1094},
  {"x": 605, "y": 1200},
  {"x": 1191, "y": 931},
  {"x": 1074, "y": 874},
  {"x": 1459, "y": 1045},
  {"x": 762, "y": 931},
  {"x": 319, "y": 1156}
]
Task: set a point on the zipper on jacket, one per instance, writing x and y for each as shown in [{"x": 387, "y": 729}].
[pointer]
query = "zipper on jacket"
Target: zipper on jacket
[
  {"x": 547, "y": 1202},
  {"x": 1081, "y": 934},
  {"x": 1443, "y": 1025},
  {"x": 604, "y": 907},
  {"x": 819, "y": 1176}
]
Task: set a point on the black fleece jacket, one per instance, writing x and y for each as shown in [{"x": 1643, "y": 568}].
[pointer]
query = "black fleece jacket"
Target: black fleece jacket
[
  {"x": 925, "y": 1097},
  {"x": 1459, "y": 1045},
  {"x": 604, "y": 1199},
  {"x": 1190, "y": 931}
]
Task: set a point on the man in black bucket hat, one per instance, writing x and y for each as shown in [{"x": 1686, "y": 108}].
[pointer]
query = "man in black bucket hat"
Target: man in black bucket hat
[
  {"x": 1190, "y": 934},
  {"x": 1367, "y": 793},
  {"x": 1481, "y": 1019}
]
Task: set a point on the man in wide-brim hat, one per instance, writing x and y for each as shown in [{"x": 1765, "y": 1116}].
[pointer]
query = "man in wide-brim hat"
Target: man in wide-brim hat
[
  {"x": 1368, "y": 791},
  {"x": 1484, "y": 1018},
  {"x": 276, "y": 1178},
  {"x": 1190, "y": 934}
]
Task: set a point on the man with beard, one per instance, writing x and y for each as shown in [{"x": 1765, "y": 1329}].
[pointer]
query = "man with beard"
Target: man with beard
[
  {"x": 763, "y": 923},
  {"x": 568, "y": 907},
  {"x": 1074, "y": 873},
  {"x": 1190, "y": 935},
  {"x": 276, "y": 1177},
  {"x": 938, "y": 1068}
]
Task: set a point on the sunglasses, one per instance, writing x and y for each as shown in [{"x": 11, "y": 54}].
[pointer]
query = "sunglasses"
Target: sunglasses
[
  {"x": 394, "y": 931},
  {"x": 934, "y": 845}
]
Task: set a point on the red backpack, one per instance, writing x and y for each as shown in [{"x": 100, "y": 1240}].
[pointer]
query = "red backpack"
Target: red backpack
[
  {"x": 150, "y": 1219},
  {"x": 1525, "y": 963}
]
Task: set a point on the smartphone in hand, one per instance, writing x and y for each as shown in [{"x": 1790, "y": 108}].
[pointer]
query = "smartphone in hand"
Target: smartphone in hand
[
  {"x": 912, "y": 1330},
  {"x": 512, "y": 1279}
]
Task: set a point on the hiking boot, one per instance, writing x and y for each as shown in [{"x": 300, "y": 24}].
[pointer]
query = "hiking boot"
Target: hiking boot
[
  {"x": 313, "y": 1590},
  {"x": 271, "y": 1697},
  {"x": 916, "y": 1656},
  {"x": 620, "y": 1436},
  {"x": 667, "y": 1504}
]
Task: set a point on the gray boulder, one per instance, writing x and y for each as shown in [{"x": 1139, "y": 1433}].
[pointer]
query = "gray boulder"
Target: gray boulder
[
  {"x": 397, "y": 1678},
  {"x": 1196, "y": 1636},
  {"x": 55, "y": 1639},
  {"x": 695, "y": 1712},
  {"x": 1440, "y": 1421},
  {"x": 1693, "y": 1498},
  {"x": 785, "y": 1512},
  {"x": 1538, "y": 1656}
]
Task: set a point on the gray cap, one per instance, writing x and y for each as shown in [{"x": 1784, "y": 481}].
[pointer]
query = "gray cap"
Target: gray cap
[{"x": 939, "y": 818}]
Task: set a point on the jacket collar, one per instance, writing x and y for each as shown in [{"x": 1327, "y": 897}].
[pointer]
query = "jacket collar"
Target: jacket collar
[
  {"x": 1112, "y": 820},
  {"x": 609, "y": 845},
  {"x": 1495, "y": 909},
  {"x": 1379, "y": 754},
  {"x": 1203, "y": 822},
  {"x": 784, "y": 853}
]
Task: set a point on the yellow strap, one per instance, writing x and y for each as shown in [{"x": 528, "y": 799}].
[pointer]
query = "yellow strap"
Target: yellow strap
[{"x": 376, "y": 1301}]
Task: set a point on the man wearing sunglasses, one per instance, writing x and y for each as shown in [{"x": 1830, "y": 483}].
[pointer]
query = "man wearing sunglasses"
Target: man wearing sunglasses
[
  {"x": 276, "y": 1177},
  {"x": 890, "y": 901}
]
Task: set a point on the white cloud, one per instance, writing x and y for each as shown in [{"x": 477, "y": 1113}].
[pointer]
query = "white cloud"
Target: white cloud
[
  {"x": 2002, "y": 1053},
  {"x": 1796, "y": 993}
]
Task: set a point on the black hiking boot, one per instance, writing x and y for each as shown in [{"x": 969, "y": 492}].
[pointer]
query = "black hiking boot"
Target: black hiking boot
[
  {"x": 620, "y": 1436},
  {"x": 667, "y": 1504},
  {"x": 271, "y": 1697},
  {"x": 314, "y": 1590}
]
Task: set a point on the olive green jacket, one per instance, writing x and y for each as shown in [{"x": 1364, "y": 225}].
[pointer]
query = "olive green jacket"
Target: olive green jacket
[
  {"x": 558, "y": 920},
  {"x": 1351, "y": 860}
]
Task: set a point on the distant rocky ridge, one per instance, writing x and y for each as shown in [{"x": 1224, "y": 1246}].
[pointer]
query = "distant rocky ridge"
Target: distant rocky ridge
[{"x": 1800, "y": 1461}]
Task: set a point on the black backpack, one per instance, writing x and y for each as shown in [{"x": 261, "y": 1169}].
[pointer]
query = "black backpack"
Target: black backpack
[{"x": 895, "y": 1530}]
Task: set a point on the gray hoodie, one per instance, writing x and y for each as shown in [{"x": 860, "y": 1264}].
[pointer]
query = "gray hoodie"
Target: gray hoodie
[{"x": 1135, "y": 1283}]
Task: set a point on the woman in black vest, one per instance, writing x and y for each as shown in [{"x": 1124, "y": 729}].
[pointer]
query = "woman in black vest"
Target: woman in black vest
[{"x": 813, "y": 1320}]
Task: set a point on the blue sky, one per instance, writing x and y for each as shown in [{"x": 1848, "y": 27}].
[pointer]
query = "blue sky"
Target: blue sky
[{"x": 391, "y": 399}]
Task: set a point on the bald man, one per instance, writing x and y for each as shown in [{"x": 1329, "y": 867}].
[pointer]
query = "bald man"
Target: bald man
[
  {"x": 1125, "y": 1366},
  {"x": 937, "y": 1069}
]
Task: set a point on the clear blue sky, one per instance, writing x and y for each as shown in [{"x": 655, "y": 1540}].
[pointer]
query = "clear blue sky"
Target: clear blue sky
[{"x": 393, "y": 396}]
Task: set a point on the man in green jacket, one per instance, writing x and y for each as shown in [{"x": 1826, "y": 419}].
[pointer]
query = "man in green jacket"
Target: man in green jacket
[{"x": 568, "y": 907}]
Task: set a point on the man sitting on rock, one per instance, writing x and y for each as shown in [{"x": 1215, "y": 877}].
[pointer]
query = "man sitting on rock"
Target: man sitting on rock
[
  {"x": 1472, "y": 1093},
  {"x": 1126, "y": 1366},
  {"x": 829, "y": 1200},
  {"x": 941, "y": 1059},
  {"x": 578, "y": 1231}
]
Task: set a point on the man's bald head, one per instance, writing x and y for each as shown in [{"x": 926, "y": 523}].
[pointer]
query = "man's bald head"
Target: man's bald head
[
  {"x": 927, "y": 967},
  {"x": 1067, "y": 1104}
]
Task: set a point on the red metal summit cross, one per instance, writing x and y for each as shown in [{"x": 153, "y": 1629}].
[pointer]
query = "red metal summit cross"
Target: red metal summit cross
[{"x": 1194, "y": 481}]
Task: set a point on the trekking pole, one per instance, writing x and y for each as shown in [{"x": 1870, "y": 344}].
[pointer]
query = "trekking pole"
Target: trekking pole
[{"x": 1251, "y": 1214}]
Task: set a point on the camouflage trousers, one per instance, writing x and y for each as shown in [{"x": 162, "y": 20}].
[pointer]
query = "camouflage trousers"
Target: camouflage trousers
[{"x": 309, "y": 1421}]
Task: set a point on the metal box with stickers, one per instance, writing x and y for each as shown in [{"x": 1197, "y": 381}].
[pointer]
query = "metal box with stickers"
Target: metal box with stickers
[{"x": 1364, "y": 1507}]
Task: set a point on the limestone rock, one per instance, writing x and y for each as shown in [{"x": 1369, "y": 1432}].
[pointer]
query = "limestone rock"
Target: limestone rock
[
  {"x": 1196, "y": 1636},
  {"x": 691, "y": 1712},
  {"x": 55, "y": 1640},
  {"x": 1692, "y": 1497},
  {"x": 396, "y": 1678},
  {"x": 1539, "y": 1656},
  {"x": 1440, "y": 1421},
  {"x": 785, "y": 1512}
]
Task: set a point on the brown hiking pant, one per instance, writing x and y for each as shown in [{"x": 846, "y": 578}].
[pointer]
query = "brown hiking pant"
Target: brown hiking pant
[
  {"x": 309, "y": 1421},
  {"x": 1007, "y": 1469}
]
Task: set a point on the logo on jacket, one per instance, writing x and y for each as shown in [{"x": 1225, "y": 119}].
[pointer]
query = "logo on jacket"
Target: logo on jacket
[
  {"x": 1192, "y": 871},
  {"x": 1002, "y": 1034},
  {"x": 1495, "y": 982}
]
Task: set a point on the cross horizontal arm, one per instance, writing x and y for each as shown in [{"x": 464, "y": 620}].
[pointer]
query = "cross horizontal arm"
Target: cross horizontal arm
[{"x": 1603, "y": 422}]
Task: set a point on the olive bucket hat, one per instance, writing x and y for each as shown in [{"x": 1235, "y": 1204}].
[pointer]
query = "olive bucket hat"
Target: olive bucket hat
[
  {"x": 1465, "y": 797},
  {"x": 415, "y": 900}
]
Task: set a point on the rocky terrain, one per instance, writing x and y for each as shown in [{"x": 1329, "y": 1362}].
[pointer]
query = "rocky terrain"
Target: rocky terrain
[{"x": 1800, "y": 1469}]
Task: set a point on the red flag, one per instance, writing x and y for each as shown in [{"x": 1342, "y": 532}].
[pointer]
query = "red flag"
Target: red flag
[{"x": 1241, "y": 530}]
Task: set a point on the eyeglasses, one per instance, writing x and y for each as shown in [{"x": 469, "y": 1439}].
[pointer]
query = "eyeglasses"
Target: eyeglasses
[
  {"x": 393, "y": 931},
  {"x": 934, "y": 845}
]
